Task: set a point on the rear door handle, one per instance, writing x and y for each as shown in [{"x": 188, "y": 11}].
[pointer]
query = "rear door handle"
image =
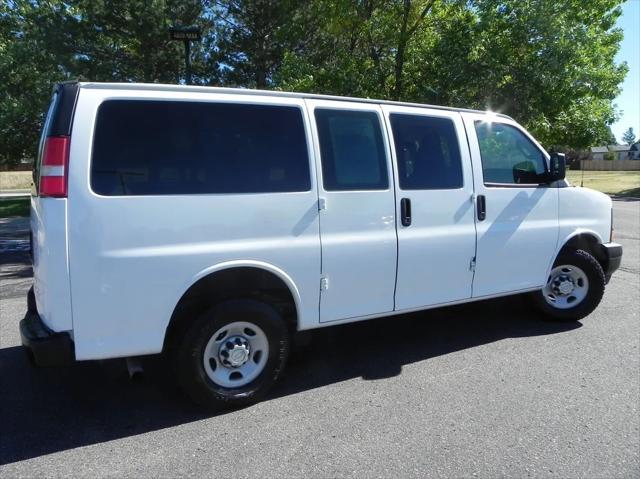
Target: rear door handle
[
  {"x": 482, "y": 207},
  {"x": 405, "y": 211}
]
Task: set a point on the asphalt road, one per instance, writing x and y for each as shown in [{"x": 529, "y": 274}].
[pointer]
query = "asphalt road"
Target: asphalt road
[{"x": 482, "y": 390}]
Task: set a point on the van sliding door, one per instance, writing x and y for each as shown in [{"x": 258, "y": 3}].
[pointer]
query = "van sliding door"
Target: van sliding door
[
  {"x": 357, "y": 208},
  {"x": 436, "y": 230}
]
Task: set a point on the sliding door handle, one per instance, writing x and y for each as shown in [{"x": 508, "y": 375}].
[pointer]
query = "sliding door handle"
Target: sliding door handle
[
  {"x": 405, "y": 211},
  {"x": 482, "y": 207}
]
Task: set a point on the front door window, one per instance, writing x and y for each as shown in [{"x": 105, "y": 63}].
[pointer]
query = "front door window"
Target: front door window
[{"x": 508, "y": 156}]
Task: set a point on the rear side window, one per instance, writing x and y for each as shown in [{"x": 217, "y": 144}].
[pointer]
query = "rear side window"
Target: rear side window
[
  {"x": 508, "y": 156},
  {"x": 173, "y": 148},
  {"x": 428, "y": 152},
  {"x": 352, "y": 150}
]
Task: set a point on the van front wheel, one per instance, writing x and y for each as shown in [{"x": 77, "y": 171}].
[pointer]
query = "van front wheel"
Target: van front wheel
[
  {"x": 232, "y": 354},
  {"x": 574, "y": 287}
]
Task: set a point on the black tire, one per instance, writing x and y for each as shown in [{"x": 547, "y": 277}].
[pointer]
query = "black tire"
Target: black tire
[
  {"x": 189, "y": 354},
  {"x": 590, "y": 266}
]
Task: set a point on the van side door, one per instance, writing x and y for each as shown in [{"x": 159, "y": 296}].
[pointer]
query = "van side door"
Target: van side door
[
  {"x": 434, "y": 184},
  {"x": 517, "y": 211},
  {"x": 357, "y": 209}
]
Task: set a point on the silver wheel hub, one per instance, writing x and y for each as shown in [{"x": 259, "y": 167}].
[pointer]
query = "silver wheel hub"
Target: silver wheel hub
[
  {"x": 566, "y": 287},
  {"x": 234, "y": 352},
  {"x": 563, "y": 285}
]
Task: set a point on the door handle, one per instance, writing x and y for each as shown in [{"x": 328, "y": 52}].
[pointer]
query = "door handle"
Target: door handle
[
  {"x": 482, "y": 207},
  {"x": 405, "y": 211}
]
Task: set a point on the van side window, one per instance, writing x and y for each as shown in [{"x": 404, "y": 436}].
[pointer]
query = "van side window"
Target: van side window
[
  {"x": 352, "y": 150},
  {"x": 177, "y": 148},
  {"x": 508, "y": 156},
  {"x": 427, "y": 152}
]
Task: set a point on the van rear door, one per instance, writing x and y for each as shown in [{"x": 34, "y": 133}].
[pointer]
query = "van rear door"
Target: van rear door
[{"x": 49, "y": 212}]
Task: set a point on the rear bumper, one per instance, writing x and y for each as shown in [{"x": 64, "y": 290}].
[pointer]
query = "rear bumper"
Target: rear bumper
[
  {"x": 613, "y": 258},
  {"x": 45, "y": 347}
]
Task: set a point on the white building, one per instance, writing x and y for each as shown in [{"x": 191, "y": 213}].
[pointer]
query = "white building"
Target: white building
[
  {"x": 620, "y": 152},
  {"x": 598, "y": 152}
]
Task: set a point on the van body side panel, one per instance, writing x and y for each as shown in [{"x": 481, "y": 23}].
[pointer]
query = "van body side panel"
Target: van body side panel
[
  {"x": 133, "y": 257},
  {"x": 51, "y": 283},
  {"x": 583, "y": 210}
]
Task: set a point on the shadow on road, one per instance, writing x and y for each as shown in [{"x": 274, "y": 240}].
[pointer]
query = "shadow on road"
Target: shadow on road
[{"x": 49, "y": 410}]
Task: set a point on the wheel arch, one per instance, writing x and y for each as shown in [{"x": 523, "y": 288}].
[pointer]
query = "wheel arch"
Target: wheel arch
[
  {"x": 232, "y": 280},
  {"x": 584, "y": 239}
]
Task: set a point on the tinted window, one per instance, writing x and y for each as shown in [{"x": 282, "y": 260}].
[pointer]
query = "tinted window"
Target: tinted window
[
  {"x": 170, "y": 148},
  {"x": 352, "y": 150},
  {"x": 427, "y": 151},
  {"x": 508, "y": 156}
]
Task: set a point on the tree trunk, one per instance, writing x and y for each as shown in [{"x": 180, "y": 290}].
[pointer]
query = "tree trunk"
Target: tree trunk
[
  {"x": 261, "y": 77},
  {"x": 400, "y": 52}
]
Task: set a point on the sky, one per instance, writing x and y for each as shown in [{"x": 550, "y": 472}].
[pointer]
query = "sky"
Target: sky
[{"x": 629, "y": 99}]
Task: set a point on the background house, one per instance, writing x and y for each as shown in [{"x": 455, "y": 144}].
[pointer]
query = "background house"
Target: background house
[
  {"x": 619, "y": 152},
  {"x": 598, "y": 152}
]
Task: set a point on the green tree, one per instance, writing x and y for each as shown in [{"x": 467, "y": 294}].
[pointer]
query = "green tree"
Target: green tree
[
  {"x": 129, "y": 40},
  {"x": 549, "y": 64},
  {"x": 32, "y": 48},
  {"x": 629, "y": 137},
  {"x": 46, "y": 41},
  {"x": 368, "y": 48},
  {"x": 252, "y": 37}
]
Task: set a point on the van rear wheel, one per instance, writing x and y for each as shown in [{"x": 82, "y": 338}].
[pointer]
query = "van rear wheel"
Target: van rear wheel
[
  {"x": 232, "y": 354},
  {"x": 574, "y": 287}
]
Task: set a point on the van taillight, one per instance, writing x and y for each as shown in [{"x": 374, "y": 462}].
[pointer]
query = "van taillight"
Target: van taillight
[{"x": 55, "y": 167}]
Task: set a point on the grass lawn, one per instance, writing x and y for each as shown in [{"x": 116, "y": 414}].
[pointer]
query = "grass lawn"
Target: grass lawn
[
  {"x": 618, "y": 183},
  {"x": 15, "y": 180},
  {"x": 14, "y": 207}
]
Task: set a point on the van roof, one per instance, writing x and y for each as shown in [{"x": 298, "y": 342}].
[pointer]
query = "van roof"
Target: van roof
[{"x": 249, "y": 92}]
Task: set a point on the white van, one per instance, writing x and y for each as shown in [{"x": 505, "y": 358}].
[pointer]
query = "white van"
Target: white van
[{"x": 211, "y": 224}]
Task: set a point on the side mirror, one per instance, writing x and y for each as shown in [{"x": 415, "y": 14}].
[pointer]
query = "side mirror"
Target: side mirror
[{"x": 557, "y": 167}]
